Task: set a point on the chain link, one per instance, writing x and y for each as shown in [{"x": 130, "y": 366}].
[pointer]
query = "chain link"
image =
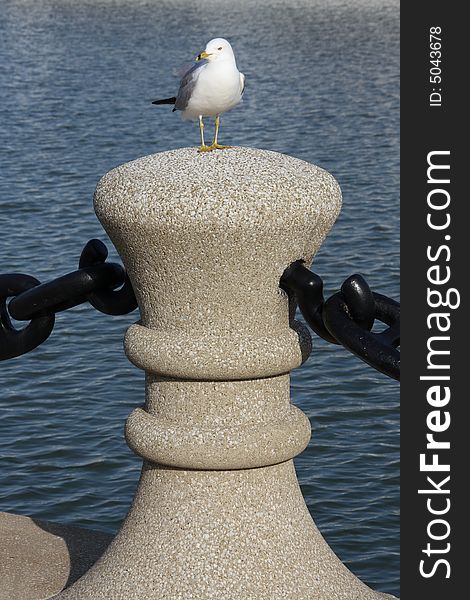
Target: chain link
[
  {"x": 95, "y": 281},
  {"x": 348, "y": 316}
]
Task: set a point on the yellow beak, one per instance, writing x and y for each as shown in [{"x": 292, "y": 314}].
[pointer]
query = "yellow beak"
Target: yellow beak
[{"x": 202, "y": 55}]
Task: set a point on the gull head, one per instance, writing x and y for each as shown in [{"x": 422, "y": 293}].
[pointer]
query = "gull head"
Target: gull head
[{"x": 216, "y": 50}]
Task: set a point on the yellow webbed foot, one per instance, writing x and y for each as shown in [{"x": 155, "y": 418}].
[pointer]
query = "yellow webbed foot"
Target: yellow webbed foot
[
  {"x": 205, "y": 148},
  {"x": 219, "y": 147}
]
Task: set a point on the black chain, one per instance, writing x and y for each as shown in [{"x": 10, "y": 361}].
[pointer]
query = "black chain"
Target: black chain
[
  {"x": 95, "y": 281},
  {"x": 348, "y": 316}
]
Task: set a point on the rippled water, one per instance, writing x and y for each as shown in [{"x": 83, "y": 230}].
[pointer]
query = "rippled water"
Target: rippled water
[{"x": 76, "y": 79}]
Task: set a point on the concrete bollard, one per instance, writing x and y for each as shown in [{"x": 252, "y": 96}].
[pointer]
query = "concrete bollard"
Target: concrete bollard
[{"x": 218, "y": 512}]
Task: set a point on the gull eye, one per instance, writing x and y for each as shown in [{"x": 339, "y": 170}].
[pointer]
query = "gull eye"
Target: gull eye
[{"x": 219, "y": 48}]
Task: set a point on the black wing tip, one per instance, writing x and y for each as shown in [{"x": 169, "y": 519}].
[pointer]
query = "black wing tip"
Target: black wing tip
[{"x": 165, "y": 101}]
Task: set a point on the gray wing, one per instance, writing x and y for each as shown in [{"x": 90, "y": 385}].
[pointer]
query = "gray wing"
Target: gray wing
[{"x": 187, "y": 85}]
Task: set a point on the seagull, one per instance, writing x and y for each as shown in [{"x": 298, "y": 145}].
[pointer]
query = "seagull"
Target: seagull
[{"x": 211, "y": 87}]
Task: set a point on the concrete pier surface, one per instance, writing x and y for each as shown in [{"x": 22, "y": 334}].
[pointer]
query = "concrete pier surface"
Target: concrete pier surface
[
  {"x": 38, "y": 559},
  {"x": 218, "y": 512}
]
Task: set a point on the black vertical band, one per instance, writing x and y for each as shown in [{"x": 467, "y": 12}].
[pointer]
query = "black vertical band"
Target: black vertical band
[{"x": 435, "y": 329}]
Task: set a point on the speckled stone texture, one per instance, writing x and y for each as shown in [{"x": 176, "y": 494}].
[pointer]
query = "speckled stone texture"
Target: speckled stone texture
[{"x": 218, "y": 512}]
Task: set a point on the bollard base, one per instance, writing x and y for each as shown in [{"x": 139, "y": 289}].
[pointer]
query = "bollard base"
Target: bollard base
[{"x": 220, "y": 534}]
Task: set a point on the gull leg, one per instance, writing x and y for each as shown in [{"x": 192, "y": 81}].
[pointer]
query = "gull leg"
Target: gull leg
[
  {"x": 215, "y": 144},
  {"x": 203, "y": 147}
]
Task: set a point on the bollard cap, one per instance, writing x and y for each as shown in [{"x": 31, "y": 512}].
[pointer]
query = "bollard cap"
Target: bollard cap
[{"x": 205, "y": 239}]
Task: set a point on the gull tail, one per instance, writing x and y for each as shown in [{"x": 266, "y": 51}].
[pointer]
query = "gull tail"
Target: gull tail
[{"x": 165, "y": 101}]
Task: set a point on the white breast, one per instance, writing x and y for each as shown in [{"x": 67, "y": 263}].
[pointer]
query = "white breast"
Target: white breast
[{"x": 217, "y": 90}]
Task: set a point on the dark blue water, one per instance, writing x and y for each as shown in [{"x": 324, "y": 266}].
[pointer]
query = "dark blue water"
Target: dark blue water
[{"x": 76, "y": 79}]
